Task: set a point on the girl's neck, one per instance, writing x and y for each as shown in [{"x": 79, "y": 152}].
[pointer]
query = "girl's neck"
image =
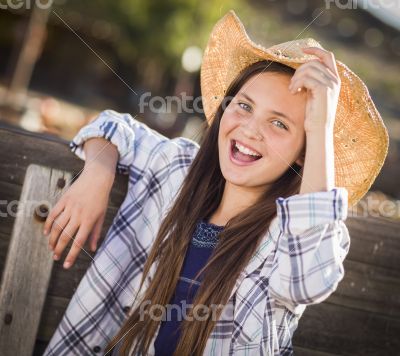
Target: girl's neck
[{"x": 234, "y": 200}]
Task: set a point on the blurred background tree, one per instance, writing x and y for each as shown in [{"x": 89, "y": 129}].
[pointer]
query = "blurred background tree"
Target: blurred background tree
[{"x": 102, "y": 54}]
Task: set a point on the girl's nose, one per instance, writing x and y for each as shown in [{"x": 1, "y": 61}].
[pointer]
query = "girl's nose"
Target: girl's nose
[{"x": 250, "y": 131}]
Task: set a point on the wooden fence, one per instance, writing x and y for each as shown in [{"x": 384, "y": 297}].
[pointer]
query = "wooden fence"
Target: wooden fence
[{"x": 362, "y": 317}]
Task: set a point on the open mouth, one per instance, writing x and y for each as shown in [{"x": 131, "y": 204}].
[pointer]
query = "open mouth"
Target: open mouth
[{"x": 238, "y": 154}]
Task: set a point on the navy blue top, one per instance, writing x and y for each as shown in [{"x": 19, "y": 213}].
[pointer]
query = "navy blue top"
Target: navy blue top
[{"x": 204, "y": 240}]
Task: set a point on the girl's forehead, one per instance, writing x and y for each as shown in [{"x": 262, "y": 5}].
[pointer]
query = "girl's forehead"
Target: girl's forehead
[
  {"x": 266, "y": 80},
  {"x": 269, "y": 92}
]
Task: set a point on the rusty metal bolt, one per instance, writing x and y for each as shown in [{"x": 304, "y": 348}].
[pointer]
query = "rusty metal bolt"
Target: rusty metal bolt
[
  {"x": 41, "y": 212},
  {"x": 8, "y": 319},
  {"x": 61, "y": 183},
  {"x": 14, "y": 208}
]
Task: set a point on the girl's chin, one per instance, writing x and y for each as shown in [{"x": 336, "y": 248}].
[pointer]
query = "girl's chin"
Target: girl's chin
[{"x": 238, "y": 178}]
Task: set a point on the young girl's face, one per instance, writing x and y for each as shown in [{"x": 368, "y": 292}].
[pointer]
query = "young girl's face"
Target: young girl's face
[{"x": 254, "y": 119}]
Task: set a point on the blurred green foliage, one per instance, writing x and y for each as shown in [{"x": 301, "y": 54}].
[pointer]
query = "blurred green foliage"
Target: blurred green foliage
[{"x": 156, "y": 30}]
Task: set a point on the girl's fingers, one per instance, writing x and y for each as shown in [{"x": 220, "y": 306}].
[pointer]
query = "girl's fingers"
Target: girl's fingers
[
  {"x": 318, "y": 67},
  {"x": 327, "y": 57},
  {"x": 57, "y": 209},
  {"x": 58, "y": 225},
  {"x": 307, "y": 82},
  {"x": 95, "y": 234},
  {"x": 315, "y": 75},
  {"x": 66, "y": 235},
  {"x": 77, "y": 245}
]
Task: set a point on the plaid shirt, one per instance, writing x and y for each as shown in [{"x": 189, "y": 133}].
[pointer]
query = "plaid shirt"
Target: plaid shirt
[{"x": 298, "y": 262}]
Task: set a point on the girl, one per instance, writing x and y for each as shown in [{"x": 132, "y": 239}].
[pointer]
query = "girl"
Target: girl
[{"x": 217, "y": 248}]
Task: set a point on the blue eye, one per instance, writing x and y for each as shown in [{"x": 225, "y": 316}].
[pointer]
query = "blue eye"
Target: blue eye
[
  {"x": 240, "y": 104},
  {"x": 247, "y": 108},
  {"x": 283, "y": 125}
]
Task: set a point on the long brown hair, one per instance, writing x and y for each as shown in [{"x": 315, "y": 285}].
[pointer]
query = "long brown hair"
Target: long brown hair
[{"x": 199, "y": 196}]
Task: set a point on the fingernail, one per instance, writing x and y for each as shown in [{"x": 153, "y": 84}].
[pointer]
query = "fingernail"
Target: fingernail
[
  {"x": 56, "y": 257},
  {"x": 45, "y": 232},
  {"x": 67, "y": 264},
  {"x": 50, "y": 248}
]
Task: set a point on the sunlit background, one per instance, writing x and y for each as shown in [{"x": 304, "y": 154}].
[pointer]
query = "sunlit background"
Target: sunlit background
[{"x": 62, "y": 64}]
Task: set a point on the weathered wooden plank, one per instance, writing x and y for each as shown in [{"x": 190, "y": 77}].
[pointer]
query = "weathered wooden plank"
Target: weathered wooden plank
[
  {"x": 375, "y": 241},
  {"x": 52, "y": 152},
  {"x": 341, "y": 330},
  {"x": 52, "y": 314},
  {"x": 63, "y": 282},
  {"x": 369, "y": 288},
  {"x": 303, "y": 351},
  {"x": 29, "y": 262},
  {"x": 48, "y": 151},
  {"x": 45, "y": 150}
]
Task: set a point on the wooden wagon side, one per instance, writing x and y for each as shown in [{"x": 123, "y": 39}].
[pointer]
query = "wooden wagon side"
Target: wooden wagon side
[{"x": 361, "y": 317}]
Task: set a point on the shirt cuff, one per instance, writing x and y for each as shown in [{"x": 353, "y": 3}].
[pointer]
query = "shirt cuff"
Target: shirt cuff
[
  {"x": 114, "y": 130},
  {"x": 301, "y": 212}
]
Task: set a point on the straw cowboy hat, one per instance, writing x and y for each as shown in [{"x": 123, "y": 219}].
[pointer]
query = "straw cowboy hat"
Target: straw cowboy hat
[{"x": 360, "y": 137}]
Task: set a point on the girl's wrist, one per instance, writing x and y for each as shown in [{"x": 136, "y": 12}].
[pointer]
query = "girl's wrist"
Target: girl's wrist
[
  {"x": 100, "y": 172},
  {"x": 101, "y": 159}
]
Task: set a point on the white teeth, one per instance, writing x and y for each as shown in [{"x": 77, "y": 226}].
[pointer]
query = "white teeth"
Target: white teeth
[{"x": 246, "y": 150}]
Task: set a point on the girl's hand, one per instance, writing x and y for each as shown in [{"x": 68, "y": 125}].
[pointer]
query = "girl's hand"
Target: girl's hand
[
  {"x": 79, "y": 212},
  {"x": 321, "y": 78}
]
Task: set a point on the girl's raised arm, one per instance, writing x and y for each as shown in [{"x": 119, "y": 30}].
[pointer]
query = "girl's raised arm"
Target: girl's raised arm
[{"x": 314, "y": 242}]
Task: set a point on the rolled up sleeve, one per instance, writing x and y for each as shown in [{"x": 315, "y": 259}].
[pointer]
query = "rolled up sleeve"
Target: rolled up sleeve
[
  {"x": 135, "y": 141},
  {"x": 312, "y": 246}
]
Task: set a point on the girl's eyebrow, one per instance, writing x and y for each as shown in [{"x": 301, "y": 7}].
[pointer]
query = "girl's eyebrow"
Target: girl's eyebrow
[{"x": 278, "y": 113}]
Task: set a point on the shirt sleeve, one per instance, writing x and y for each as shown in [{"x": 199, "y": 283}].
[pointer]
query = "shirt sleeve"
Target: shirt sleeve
[
  {"x": 312, "y": 246},
  {"x": 136, "y": 142}
]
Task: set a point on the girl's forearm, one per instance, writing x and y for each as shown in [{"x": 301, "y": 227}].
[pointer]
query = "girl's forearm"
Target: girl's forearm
[
  {"x": 319, "y": 164},
  {"x": 101, "y": 157}
]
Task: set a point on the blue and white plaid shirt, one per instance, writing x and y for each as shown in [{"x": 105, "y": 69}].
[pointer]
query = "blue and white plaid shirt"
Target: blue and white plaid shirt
[{"x": 298, "y": 262}]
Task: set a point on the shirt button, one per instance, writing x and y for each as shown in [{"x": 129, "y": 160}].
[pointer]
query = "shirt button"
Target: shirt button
[
  {"x": 97, "y": 349},
  {"x": 126, "y": 309}
]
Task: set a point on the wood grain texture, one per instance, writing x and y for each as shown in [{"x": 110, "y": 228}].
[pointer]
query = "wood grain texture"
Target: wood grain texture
[{"x": 28, "y": 263}]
